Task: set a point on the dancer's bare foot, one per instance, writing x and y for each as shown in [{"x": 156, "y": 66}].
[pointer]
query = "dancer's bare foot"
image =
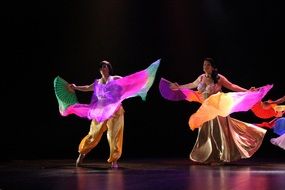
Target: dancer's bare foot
[
  {"x": 114, "y": 165},
  {"x": 79, "y": 160}
]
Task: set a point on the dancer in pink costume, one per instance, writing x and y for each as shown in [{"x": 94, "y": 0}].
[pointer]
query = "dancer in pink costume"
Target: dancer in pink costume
[{"x": 105, "y": 109}]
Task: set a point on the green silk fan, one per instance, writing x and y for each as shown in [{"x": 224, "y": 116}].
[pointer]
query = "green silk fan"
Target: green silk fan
[{"x": 64, "y": 95}]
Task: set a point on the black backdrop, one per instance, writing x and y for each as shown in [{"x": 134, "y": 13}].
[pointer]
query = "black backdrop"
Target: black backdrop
[{"x": 43, "y": 39}]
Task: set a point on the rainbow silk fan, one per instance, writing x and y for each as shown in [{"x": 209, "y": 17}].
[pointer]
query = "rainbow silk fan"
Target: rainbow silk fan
[
  {"x": 110, "y": 94},
  {"x": 64, "y": 95}
]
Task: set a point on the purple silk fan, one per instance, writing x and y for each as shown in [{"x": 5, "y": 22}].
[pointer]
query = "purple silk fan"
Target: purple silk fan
[{"x": 168, "y": 93}]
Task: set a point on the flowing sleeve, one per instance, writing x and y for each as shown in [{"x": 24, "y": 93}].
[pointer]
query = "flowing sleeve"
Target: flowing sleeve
[
  {"x": 108, "y": 97},
  {"x": 223, "y": 104}
]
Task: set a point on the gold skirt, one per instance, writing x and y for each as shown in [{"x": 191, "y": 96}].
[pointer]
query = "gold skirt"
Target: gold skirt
[{"x": 225, "y": 139}]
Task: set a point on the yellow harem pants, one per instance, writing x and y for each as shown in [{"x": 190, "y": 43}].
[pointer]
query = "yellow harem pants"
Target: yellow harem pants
[{"x": 114, "y": 127}]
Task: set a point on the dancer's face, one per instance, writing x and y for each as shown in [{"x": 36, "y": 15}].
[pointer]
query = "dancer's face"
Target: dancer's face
[
  {"x": 207, "y": 67},
  {"x": 104, "y": 70}
]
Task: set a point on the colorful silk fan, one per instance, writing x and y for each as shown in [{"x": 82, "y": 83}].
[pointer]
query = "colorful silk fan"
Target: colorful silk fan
[
  {"x": 276, "y": 111},
  {"x": 64, "y": 95},
  {"x": 264, "y": 111},
  {"x": 279, "y": 110},
  {"x": 108, "y": 97},
  {"x": 169, "y": 94},
  {"x": 223, "y": 104},
  {"x": 219, "y": 104},
  {"x": 279, "y": 126},
  {"x": 180, "y": 94},
  {"x": 267, "y": 124},
  {"x": 279, "y": 141}
]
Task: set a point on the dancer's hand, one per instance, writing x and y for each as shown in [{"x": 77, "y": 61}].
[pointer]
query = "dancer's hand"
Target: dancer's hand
[
  {"x": 71, "y": 88},
  {"x": 174, "y": 86},
  {"x": 253, "y": 89}
]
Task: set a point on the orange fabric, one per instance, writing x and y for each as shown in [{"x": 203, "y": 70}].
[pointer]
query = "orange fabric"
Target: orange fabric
[{"x": 263, "y": 111}]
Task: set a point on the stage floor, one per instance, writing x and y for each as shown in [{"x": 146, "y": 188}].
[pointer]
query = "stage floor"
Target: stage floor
[{"x": 144, "y": 174}]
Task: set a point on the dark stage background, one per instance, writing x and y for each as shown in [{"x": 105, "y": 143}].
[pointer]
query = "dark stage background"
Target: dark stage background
[{"x": 43, "y": 39}]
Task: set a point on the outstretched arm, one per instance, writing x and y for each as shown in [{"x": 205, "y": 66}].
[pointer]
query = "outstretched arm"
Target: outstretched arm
[
  {"x": 191, "y": 85},
  {"x": 117, "y": 77},
  {"x": 229, "y": 85},
  {"x": 84, "y": 88},
  {"x": 278, "y": 101}
]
